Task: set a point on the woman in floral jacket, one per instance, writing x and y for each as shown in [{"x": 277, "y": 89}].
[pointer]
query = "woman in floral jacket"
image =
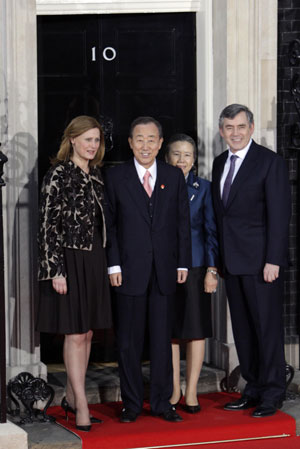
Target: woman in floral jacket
[{"x": 74, "y": 291}]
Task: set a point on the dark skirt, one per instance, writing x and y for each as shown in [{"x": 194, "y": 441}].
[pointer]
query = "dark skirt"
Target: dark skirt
[
  {"x": 191, "y": 309},
  {"x": 87, "y": 303}
]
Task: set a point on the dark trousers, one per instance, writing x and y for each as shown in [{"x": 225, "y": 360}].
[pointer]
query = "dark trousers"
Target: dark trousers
[
  {"x": 257, "y": 321},
  {"x": 131, "y": 315}
]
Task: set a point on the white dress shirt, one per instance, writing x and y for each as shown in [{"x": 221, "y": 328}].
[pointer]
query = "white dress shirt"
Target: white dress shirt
[
  {"x": 241, "y": 154},
  {"x": 142, "y": 170}
]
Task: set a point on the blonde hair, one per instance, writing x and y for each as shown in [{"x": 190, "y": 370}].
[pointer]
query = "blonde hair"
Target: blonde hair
[{"x": 75, "y": 128}]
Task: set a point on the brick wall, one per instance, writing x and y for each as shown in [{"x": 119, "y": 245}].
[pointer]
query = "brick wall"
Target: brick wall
[{"x": 287, "y": 116}]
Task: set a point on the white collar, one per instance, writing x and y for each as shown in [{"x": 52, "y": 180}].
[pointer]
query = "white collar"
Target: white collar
[
  {"x": 241, "y": 153},
  {"x": 142, "y": 170}
]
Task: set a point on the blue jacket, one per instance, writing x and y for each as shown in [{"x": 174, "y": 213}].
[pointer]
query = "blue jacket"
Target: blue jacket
[{"x": 203, "y": 225}]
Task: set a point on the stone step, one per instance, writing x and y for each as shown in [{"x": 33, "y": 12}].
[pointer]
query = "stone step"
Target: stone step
[
  {"x": 102, "y": 385},
  {"x": 12, "y": 436}
]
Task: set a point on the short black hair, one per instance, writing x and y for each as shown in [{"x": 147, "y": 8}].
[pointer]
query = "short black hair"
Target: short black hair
[
  {"x": 181, "y": 137},
  {"x": 234, "y": 109},
  {"x": 145, "y": 121}
]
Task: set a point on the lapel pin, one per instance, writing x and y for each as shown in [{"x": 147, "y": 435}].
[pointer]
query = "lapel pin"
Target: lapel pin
[
  {"x": 162, "y": 186},
  {"x": 192, "y": 197}
]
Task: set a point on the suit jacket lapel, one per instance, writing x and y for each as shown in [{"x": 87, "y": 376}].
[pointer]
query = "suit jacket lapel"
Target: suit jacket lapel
[
  {"x": 245, "y": 170},
  {"x": 160, "y": 186},
  {"x": 218, "y": 174},
  {"x": 192, "y": 183},
  {"x": 133, "y": 184}
]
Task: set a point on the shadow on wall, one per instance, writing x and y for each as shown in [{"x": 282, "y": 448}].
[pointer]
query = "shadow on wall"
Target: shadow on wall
[
  {"x": 218, "y": 147},
  {"x": 22, "y": 225},
  {"x": 270, "y": 127}
]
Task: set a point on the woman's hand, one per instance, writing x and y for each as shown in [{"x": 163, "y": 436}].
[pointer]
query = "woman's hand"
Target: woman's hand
[
  {"x": 60, "y": 285},
  {"x": 210, "y": 281}
]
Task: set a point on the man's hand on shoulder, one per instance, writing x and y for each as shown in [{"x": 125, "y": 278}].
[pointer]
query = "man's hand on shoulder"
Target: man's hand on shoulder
[
  {"x": 115, "y": 279},
  {"x": 182, "y": 276},
  {"x": 271, "y": 272}
]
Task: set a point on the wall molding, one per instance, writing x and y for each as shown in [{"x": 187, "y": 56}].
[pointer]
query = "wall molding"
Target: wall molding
[{"x": 49, "y": 7}]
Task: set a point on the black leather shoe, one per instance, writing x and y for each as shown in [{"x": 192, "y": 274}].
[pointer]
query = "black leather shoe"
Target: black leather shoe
[
  {"x": 170, "y": 415},
  {"x": 241, "y": 404},
  {"x": 128, "y": 415},
  {"x": 192, "y": 408},
  {"x": 266, "y": 409}
]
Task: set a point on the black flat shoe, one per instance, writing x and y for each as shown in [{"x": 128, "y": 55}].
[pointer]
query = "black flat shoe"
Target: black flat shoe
[
  {"x": 243, "y": 403},
  {"x": 68, "y": 409},
  {"x": 84, "y": 428},
  {"x": 192, "y": 408},
  {"x": 128, "y": 415}
]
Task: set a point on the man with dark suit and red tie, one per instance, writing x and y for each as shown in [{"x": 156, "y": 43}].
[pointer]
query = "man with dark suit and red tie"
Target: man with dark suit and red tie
[
  {"x": 252, "y": 203},
  {"x": 148, "y": 250}
]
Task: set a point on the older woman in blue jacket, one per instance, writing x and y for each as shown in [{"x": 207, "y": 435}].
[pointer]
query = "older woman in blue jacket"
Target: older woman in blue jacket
[{"x": 192, "y": 304}]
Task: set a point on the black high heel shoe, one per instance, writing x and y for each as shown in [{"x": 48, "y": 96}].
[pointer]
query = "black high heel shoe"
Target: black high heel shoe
[
  {"x": 84, "y": 428},
  {"x": 192, "y": 408},
  {"x": 175, "y": 405},
  {"x": 68, "y": 409}
]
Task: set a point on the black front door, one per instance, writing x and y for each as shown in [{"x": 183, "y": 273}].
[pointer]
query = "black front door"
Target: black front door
[{"x": 115, "y": 67}]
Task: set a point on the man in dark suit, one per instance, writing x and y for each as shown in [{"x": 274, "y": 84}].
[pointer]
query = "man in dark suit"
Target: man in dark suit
[
  {"x": 148, "y": 250},
  {"x": 252, "y": 203}
]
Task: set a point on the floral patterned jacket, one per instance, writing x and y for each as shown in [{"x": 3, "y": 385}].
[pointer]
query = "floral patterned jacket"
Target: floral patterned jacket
[{"x": 67, "y": 211}]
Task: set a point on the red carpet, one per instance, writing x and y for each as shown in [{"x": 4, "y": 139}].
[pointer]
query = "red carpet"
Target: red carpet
[
  {"x": 270, "y": 443},
  {"x": 212, "y": 424}
]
